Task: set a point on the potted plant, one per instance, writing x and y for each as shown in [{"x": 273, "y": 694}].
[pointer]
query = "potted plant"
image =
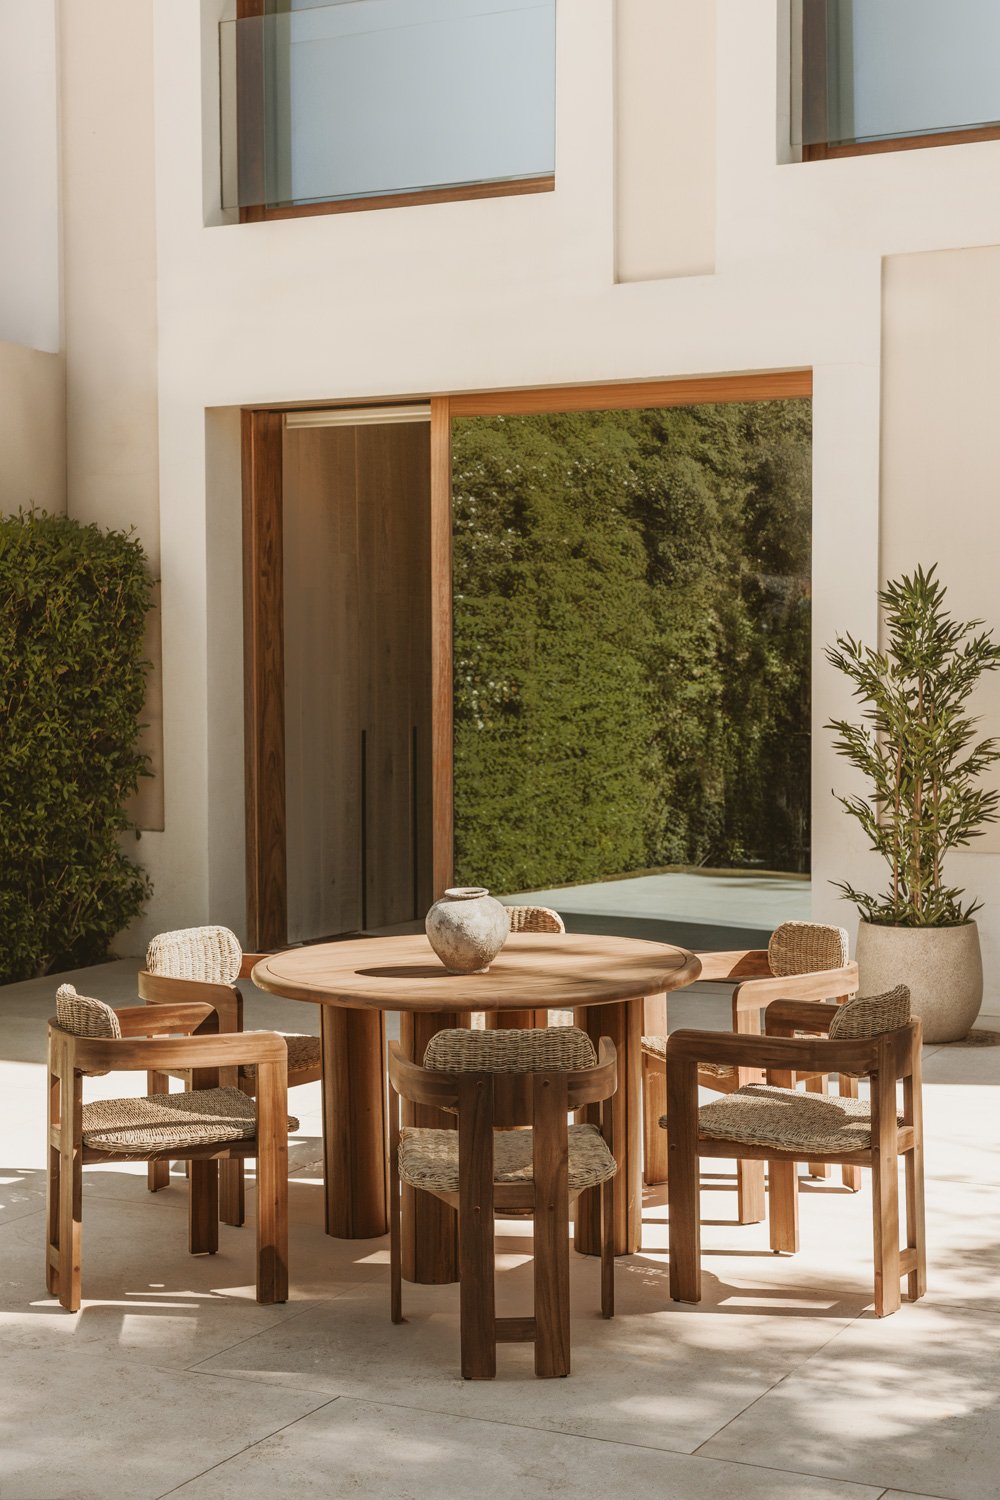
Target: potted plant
[{"x": 918, "y": 749}]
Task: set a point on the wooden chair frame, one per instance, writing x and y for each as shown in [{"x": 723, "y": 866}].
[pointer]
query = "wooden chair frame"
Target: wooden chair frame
[
  {"x": 227, "y": 1001},
  {"x": 149, "y": 1040},
  {"x": 780, "y": 1055},
  {"x": 482, "y": 1102},
  {"x": 756, "y": 988}
]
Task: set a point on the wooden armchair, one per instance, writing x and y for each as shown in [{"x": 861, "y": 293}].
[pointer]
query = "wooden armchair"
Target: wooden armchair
[
  {"x": 203, "y": 964},
  {"x": 804, "y": 961},
  {"x": 774, "y": 1122},
  {"x": 500, "y": 1079},
  {"x": 209, "y": 1125}
]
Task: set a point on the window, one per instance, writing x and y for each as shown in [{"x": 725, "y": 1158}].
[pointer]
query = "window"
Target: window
[
  {"x": 367, "y": 103},
  {"x": 885, "y": 75}
]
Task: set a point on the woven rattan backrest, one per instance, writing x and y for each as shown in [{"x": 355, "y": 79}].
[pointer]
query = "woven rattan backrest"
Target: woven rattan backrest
[
  {"x": 871, "y": 1015},
  {"x": 806, "y": 948},
  {"x": 535, "y": 919},
  {"x": 549, "y": 1049},
  {"x": 81, "y": 1016},
  {"x": 209, "y": 954}
]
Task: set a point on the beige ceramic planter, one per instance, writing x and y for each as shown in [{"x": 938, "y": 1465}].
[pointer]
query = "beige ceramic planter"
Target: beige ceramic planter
[{"x": 942, "y": 966}]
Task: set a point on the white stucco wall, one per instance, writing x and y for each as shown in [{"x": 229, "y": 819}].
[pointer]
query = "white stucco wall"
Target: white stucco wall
[{"x": 511, "y": 292}]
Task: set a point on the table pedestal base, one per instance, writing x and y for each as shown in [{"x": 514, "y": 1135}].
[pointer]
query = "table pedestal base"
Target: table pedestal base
[
  {"x": 355, "y": 1155},
  {"x": 429, "y": 1227},
  {"x": 623, "y": 1024}
]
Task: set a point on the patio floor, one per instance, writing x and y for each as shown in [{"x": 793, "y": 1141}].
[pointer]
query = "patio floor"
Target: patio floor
[{"x": 781, "y": 1385}]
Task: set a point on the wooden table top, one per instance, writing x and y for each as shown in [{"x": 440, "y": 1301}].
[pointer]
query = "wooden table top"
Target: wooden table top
[{"x": 532, "y": 971}]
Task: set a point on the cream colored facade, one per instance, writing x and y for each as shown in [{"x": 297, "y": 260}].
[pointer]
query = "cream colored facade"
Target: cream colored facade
[{"x": 682, "y": 239}]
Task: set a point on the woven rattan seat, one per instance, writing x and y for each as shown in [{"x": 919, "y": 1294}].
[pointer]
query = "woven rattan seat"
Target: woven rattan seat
[
  {"x": 304, "y": 1056},
  {"x": 429, "y": 1158},
  {"x": 656, "y": 1046},
  {"x": 169, "y": 1122},
  {"x": 552, "y": 1049},
  {"x": 761, "y": 1115}
]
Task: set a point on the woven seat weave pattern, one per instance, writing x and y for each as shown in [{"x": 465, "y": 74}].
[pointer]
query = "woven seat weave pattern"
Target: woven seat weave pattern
[
  {"x": 304, "y": 1055},
  {"x": 429, "y": 1158},
  {"x": 550, "y": 1049},
  {"x": 806, "y": 948},
  {"x": 161, "y": 1122},
  {"x": 761, "y": 1115},
  {"x": 210, "y": 955},
  {"x": 535, "y": 919}
]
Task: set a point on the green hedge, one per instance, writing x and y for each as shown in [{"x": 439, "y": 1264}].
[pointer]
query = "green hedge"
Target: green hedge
[
  {"x": 73, "y": 601},
  {"x": 632, "y": 629}
]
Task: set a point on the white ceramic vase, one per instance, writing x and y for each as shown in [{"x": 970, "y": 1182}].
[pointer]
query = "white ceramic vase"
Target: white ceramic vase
[
  {"x": 467, "y": 928},
  {"x": 942, "y": 966}
]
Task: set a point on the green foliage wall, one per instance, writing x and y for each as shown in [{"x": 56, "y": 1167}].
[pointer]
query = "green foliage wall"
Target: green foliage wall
[
  {"x": 73, "y": 601},
  {"x": 631, "y": 642}
]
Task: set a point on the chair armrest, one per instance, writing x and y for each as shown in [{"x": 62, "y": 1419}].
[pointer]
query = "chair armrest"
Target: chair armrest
[
  {"x": 743, "y": 963},
  {"x": 591, "y": 1085},
  {"x": 785, "y": 1017},
  {"x": 249, "y": 959},
  {"x": 162, "y": 989},
  {"x": 777, "y": 1053},
  {"x": 161, "y": 1054},
  {"x": 162, "y": 1019},
  {"x": 825, "y": 984},
  {"x": 419, "y": 1085}
]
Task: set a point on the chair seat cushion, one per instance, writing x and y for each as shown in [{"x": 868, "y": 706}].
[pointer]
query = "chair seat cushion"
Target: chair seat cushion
[
  {"x": 762, "y": 1115},
  {"x": 429, "y": 1158},
  {"x": 304, "y": 1056},
  {"x": 656, "y": 1046},
  {"x": 162, "y": 1122}
]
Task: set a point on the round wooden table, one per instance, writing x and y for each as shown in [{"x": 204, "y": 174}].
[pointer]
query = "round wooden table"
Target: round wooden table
[{"x": 603, "y": 979}]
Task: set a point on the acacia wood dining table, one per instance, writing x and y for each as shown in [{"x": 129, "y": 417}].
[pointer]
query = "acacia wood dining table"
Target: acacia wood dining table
[{"x": 603, "y": 979}]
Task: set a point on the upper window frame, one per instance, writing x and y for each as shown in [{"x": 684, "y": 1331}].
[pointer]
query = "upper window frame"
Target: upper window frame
[
  {"x": 815, "y": 105},
  {"x": 250, "y": 138}
]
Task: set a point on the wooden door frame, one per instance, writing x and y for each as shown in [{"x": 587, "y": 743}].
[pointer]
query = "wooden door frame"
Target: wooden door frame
[{"x": 264, "y": 709}]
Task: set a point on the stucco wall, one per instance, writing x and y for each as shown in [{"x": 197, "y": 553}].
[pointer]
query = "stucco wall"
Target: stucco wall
[
  {"x": 506, "y": 292},
  {"x": 32, "y": 429}
]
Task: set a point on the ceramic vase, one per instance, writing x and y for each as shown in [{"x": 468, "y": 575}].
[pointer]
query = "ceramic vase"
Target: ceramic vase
[
  {"x": 467, "y": 928},
  {"x": 942, "y": 966}
]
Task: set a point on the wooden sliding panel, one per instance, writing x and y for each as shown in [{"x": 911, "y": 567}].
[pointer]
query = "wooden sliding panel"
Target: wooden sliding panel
[
  {"x": 263, "y": 680},
  {"x": 442, "y": 718}
]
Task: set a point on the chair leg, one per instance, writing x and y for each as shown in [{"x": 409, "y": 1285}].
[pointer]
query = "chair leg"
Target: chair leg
[
  {"x": 395, "y": 1232},
  {"x": 476, "y": 1247},
  {"x": 819, "y": 1085},
  {"x": 684, "y": 1226},
  {"x": 850, "y": 1176},
  {"x": 551, "y": 1231},
  {"x": 916, "y": 1239},
  {"x": 608, "y": 1248},
  {"x": 232, "y": 1192},
  {"x": 750, "y": 1200},
  {"x": 158, "y": 1172},
  {"x": 65, "y": 1190},
  {"x": 654, "y": 1107},
  {"x": 203, "y": 1208},
  {"x": 783, "y": 1206},
  {"x": 885, "y": 1215}
]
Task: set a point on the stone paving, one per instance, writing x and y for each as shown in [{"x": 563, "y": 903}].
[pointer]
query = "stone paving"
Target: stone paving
[{"x": 780, "y": 1385}]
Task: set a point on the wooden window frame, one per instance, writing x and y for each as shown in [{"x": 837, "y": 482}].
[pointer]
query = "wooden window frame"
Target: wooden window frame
[
  {"x": 816, "y": 113},
  {"x": 263, "y": 602},
  {"x": 252, "y": 154}
]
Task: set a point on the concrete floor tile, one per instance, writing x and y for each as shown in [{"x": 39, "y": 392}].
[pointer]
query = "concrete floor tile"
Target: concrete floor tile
[
  {"x": 908, "y": 1400},
  {"x": 78, "y": 1429},
  {"x": 385, "y": 1452},
  {"x": 655, "y": 1376}
]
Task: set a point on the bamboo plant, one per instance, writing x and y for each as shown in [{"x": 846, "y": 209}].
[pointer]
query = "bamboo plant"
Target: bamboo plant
[{"x": 918, "y": 748}]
